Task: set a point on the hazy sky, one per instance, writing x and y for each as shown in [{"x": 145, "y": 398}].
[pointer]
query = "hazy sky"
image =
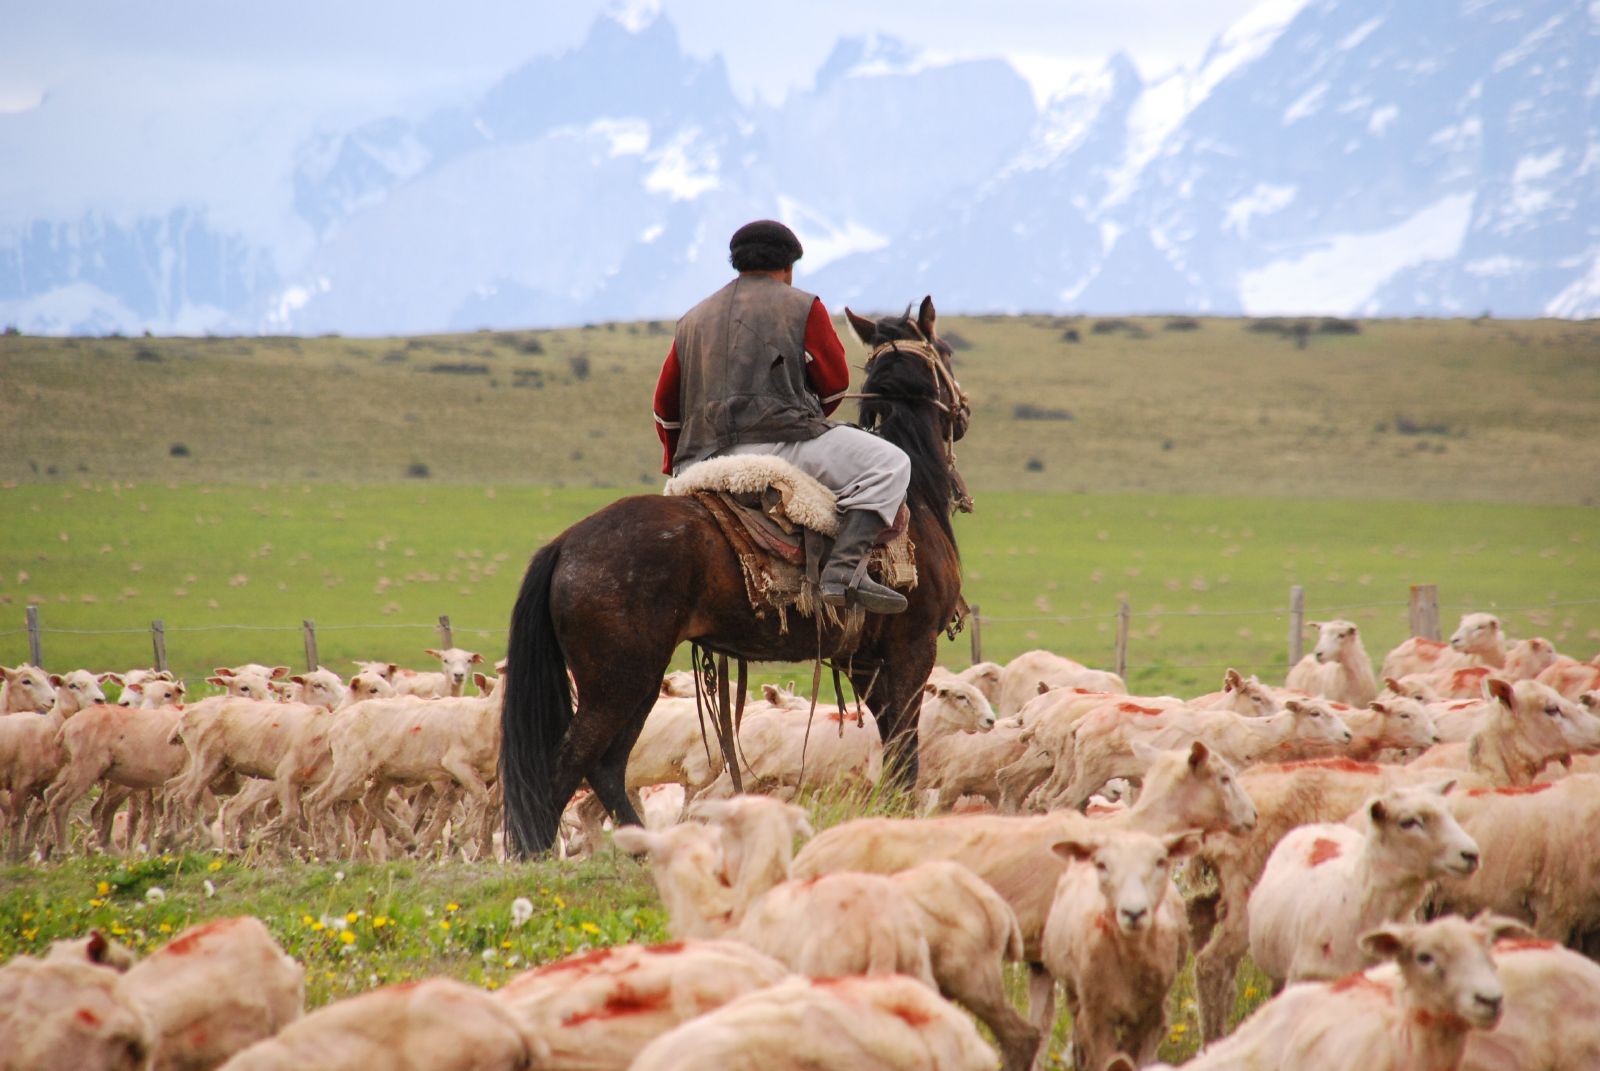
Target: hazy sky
[
  {"x": 151, "y": 102},
  {"x": 376, "y": 53}
]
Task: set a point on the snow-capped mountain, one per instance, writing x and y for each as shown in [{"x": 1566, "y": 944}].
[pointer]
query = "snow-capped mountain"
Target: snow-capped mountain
[{"x": 1358, "y": 157}]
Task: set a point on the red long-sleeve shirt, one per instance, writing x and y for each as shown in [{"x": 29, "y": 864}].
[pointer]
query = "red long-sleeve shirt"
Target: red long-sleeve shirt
[{"x": 826, "y": 371}]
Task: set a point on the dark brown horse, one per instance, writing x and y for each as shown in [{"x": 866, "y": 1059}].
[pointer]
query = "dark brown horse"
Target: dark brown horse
[{"x": 613, "y": 596}]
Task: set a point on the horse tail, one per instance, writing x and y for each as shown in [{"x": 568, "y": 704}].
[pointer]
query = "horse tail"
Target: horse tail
[{"x": 536, "y": 712}]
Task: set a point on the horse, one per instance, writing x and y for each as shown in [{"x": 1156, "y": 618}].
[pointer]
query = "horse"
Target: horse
[{"x": 604, "y": 604}]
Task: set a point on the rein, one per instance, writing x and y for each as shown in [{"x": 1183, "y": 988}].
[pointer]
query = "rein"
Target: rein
[{"x": 945, "y": 382}]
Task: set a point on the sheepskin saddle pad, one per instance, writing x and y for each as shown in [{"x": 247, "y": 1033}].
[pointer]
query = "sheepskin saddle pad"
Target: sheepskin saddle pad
[{"x": 780, "y": 522}]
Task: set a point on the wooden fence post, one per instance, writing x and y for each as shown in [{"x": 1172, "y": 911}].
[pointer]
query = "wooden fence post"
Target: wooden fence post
[
  {"x": 35, "y": 651},
  {"x": 310, "y": 629},
  {"x": 158, "y": 643},
  {"x": 1297, "y": 624},
  {"x": 976, "y": 632},
  {"x": 1123, "y": 614},
  {"x": 446, "y": 637},
  {"x": 1425, "y": 611}
]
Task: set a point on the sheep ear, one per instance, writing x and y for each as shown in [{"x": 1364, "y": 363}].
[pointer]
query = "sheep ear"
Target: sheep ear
[
  {"x": 1182, "y": 845},
  {"x": 112, "y": 677},
  {"x": 864, "y": 328},
  {"x": 1198, "y": 754},
  {"x": 929, "y": 689},
  {"x": 55, "y": 680},
  {"x": 1501, "y": 928},
  {"x": 1500, "y": 689},
  {"x": 222, "y": 681},
  {"x": 223, "y": 671},
  {"x": 1393, "y": 685},
  {"x": 1231, "y": 681},
  {"x": 1378, "y": 812},
  {"x": 769, "y": 692},
  {"x": 1294, "y": 706},
  {"x": 1316, "y": 625},
  {"x": 431, "y": 653},
  {"x": 633, "y": 840},
  {"x": 1080, "y": 851},
  {"x": 297, "y": 679},
  {"x": 1043, "y": 687},
  {"x": 1443, "y": 787},
  {"x": 1386, "y": 942},
  {"x": 97, "y": 947},
  {"x": 279, "y": 672},
  {"x": 475, "y": 659},
  {"x": 481, "y": 681}
]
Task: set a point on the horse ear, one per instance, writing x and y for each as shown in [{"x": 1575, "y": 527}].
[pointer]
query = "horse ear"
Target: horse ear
[
  {"x": 926, "y": 316},
  {"x": 864, "y": 328}
]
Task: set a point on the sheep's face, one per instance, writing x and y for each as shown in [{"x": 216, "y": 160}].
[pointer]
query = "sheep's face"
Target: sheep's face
[
  {"x": 1134, "y": 871},
  {"x": 29, "y": 688},
  {"x": 382, "y": 670},
  {"x": 457, "y": 664},
  {"x": 1420, "y": 834},
  {"x": 1477, "y": 633},
  {"x": 1448, "y": 965},
  {"x": 158, "y": 693},
  {"x": 247, "y": 685},
  {"x": 1550, "y": 724},
  {"x": 1253, "y": 694},
  {"x": 1316, "y": 722},
  {"x": 1405, "y": 723},
  {"x": 319, "y": 688},
  {"x": 1333, "y": 638},
  {"x": 958, "y": 704},
  {"x": 82, "y": 688},
  {"x": 1203, "y": 785},
  {"x": 368, "y": 685}
]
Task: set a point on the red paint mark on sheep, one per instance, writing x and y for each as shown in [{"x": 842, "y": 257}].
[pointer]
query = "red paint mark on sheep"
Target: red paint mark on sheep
[
  {"x": 620, "y": 1003},
  {"x": 1341, "y": 764},
  {"x": 1424, "y": 644},
  {"x": 576, "y": 963},
  {"x": 1323, "y": 849},
  {"x": 1512, "y": 790},
  {"x": 671, "y": 948},
  {"x": 190, "y": 941},
  {"x": 1361, "y": 981},
  {"x": 1522, "y": 944},
  {"x": 416, "y": 728},
  {"x": 1135, "y": 708},
  {"x": 87, "y": 1017},
  {"x": 1468, "y": 678},
  {"x": 911, "y": 1016}
]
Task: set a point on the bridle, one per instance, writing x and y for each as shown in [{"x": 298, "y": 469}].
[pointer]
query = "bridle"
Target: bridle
[{"x": 957, "y": 410}]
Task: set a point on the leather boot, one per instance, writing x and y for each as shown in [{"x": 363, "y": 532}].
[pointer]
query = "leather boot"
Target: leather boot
[{"x": 844, "y": 580}]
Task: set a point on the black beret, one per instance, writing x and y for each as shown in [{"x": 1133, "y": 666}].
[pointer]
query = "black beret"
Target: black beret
[{"x": 765, "y": 245}]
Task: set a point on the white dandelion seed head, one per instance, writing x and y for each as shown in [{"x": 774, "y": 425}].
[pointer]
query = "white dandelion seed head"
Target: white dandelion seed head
[{"x": 521, "y": 910}]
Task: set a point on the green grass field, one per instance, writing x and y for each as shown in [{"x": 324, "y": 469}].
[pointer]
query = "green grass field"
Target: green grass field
[
  {"x": 232, "y": 571},
  {"x": 234, "y": 488}
]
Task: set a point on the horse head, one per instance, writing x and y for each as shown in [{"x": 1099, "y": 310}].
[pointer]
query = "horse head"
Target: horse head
[{"x": 911, "y": 397}]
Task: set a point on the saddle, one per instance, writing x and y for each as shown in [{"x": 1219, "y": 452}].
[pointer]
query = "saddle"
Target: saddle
[{"x": 781, "y": 522}]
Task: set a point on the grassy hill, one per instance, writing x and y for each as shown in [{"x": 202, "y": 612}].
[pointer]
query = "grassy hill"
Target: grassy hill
[{"x": 1424, "y": 409}]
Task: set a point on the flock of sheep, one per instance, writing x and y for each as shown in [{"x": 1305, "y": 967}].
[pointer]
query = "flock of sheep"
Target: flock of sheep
[{"x": 1096, "y": 836}]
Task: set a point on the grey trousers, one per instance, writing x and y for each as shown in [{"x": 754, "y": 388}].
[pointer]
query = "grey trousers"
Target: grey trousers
[{"x": 864, "y": 471}]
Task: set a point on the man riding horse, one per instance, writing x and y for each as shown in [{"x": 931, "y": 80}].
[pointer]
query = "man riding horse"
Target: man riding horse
[{"x": 756, "y": 368}]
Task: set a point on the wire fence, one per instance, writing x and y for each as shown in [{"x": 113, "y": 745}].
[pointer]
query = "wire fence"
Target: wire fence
[{"x": 342, "y": 638}]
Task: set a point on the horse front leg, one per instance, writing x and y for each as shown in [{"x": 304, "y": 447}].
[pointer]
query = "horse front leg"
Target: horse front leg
[{"x": 893, "y": 694}]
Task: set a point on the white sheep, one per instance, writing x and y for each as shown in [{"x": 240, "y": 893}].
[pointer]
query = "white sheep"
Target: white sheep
[
  {"x": 1116, "y": 938},
  {"x": 1102, "y": 739},
  {"x": 1538, "y": 859},
  {"x": 58, "y": 1015},
  {"x": 597, "y": 1010},
  {"x": 433, "y": 1025},
  {"x": 1527, "y": 727},
  {"x": 952, "y": 711},
  {"x": 1242, "y": 695},
  {"x": 1024, "y": 675},
  {"x": 25, "y": 689},
  {"x": 1325, "y": 884},
  {"x": 781, "y": 746},
  {"x": 884, "y": 1023},
  {"x": 1477, "y": 641},
  {"x": 1551, "y": 1016},
  {"x": 1337, "y": 667},
  {"x": 1416, "y": 1014},
  {"x": 450, "y": 680}
]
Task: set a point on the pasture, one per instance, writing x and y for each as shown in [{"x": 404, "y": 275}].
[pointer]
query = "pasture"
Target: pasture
[{"x": 234, "y": 488}]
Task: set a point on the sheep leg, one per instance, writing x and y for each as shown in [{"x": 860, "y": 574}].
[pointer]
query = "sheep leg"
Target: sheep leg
[
  {"x": 984, "y": 995},
  {"x": 1215, "y": 967},
  {"x": 1041, "y": 1001}
]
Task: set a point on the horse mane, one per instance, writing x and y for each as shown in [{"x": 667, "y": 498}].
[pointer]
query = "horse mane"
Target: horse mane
[{"x": 900, "y": 413}]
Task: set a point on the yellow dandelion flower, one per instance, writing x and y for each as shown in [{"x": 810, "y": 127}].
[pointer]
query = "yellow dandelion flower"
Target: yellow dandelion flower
[
  {"x": 560, "y": 903},
  {"x": 319, "y": 926},
  {"x": 492, "y": 984},
  {"x": 589, "y": 927},
  {"x": 380, "y": 922},
  {"x": 215, "y": 865},
  {"x": 307, "y": 919},
  {"x": 165, "y": 927},
  {"x": 26, "y": 915},
  {"x": 505, "y": 944},
  {"x": 351, "y": 916},
  {"x": 104, "y": 888},
  {"x": 1250, "y": 991},
  {"x": 444, "y": 924},
  {"x": 118, "y": 929},
  {"x": 1179, "y": 1029},
  {"x": 347, "y": 937},
  {"x": 96, "y": 903},
  {"x": 452, "y": 907}
]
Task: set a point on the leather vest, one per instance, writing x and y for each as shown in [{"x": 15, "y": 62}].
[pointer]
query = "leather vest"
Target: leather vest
[{"x": 742, "y": 366}]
